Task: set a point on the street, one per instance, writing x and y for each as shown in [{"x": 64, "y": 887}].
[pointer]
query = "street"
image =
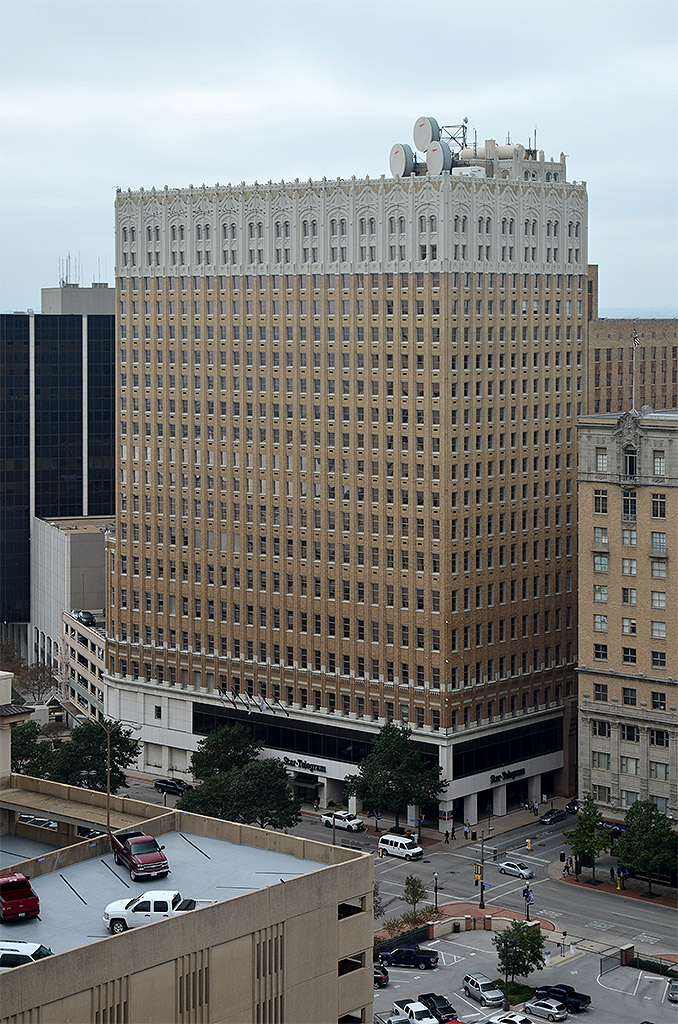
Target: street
[{"x": 584, "y": 913}]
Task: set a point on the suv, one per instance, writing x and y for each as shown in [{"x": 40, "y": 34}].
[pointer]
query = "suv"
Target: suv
[
  {"x": 480, "y": 988},
  {"x": 14, "y": 954},
  {"x": 176, "y": 786},
  {"x": 86, "y": 618}
]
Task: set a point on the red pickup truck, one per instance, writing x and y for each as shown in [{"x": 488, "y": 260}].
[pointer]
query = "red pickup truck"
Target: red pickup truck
[
  {"x": 141, "y": 854},
  {"x": 17, "y": 898}
]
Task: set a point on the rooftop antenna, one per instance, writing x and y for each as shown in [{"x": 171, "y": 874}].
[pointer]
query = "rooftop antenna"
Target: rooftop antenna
[{"x": 535, "y": 138}]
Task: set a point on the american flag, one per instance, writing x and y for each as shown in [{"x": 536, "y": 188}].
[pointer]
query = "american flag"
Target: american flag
[{"x": 636, "y": 339}]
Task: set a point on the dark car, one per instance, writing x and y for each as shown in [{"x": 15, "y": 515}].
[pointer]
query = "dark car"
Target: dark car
[
  {"x": 439, "y": 1006},
  {"x": 552, "y": 816},
  {"x": 86, "y": 618},
  {"x": 409, "y": 956},
  {"x": 573, "y": 806},
  {"x": 573, "y": 1001},
  {"x": 176, "y": 786},
  {"x": 380, "y": 976}
]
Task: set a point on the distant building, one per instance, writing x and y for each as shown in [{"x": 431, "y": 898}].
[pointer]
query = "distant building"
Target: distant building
[
  {"x": 628, "y": 596},
  {"x": 347, "y": 469},
  {"x": 610, "y": 365},
  {"x": 56, "y": 432}
]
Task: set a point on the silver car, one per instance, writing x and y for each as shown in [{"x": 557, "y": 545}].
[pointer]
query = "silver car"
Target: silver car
[
  {"x": 550, "y": 1009},
  {"x": 516, "y": 867}
]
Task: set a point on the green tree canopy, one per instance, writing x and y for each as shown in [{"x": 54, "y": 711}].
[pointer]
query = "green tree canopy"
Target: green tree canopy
[
  {"x": 648, "y": 843},
  {"x": 395, "y": 774},
  {"x": 230, "y": 747},
  {"x": 30, "y": 754},
  {"x": 256, "y": 793},
  {"x": 81, "y": 761},
  {"x": 414, "y": 891},
  {"x": 591, "y": 835},
  {"x": 520, "y": 950}
]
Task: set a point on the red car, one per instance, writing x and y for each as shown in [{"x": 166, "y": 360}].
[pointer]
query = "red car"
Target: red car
[{"x": 17, "y": 898}]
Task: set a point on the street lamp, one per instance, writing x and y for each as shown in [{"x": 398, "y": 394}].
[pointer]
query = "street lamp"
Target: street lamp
[
  {"x": 435, "y": 889},
  {"x": 107, "y": 729}
]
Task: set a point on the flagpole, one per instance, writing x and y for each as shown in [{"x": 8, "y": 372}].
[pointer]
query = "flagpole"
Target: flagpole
[{"x": 636, "y": 343}]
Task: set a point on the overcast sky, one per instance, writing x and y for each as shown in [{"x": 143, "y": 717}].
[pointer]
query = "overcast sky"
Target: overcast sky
[{"x": 131, "y": 93}]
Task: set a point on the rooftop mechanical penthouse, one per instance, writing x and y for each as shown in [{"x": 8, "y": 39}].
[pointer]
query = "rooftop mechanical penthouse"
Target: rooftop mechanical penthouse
[{"x": 347, "y": 466}]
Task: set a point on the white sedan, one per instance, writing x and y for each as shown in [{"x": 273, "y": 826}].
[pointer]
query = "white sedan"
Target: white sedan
[
  {"x": 343, "y": 819},
  {"x": 516, "y": 867},
  {"x": 509, "y": 1017}
]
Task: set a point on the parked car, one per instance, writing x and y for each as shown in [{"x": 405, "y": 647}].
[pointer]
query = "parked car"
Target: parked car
[
  {"x": 484, "y": 991},
  {"x": 409, "y": 956},
  {"x": 552, "y": 816},
  {"x": 573, "y": 1001},
  {"x": 142, "y": 854},
  {"x": 414, "y": 1012},
  {"x": 17, "y": 898},
  {"x": 672, "y": 994},
  {"x": 380, "y": 976},
  {"x": 440, "y": 1006},
  {"x": 85, "y": 617},
  {"x": 509, "y": 1017},
  {"x": 572, "y": 807},
  {"x": 175, "y": 786},
  {"x": 147, "y": 908},
  {"x": 14, "y": 954},
  {"x": 550, "y": 1009},
  {"x": 343, "y": 819},
  {"x": 516, "y": 867}
]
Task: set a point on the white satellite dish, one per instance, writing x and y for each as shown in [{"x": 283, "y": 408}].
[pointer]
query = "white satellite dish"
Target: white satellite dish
[
  {"x": 401, "y": 160},
  {"x": 426, "y": 130},
  {"x": 438, "y": 157}
]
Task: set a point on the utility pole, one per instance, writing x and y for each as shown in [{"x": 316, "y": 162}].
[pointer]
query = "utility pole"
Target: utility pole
[
  {"x": 482, "y": 871},
  {"x": 435, "y": 889}
]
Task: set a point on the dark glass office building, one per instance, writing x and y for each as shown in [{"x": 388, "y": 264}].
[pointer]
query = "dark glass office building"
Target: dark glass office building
[{"x": 56, "y": 435}]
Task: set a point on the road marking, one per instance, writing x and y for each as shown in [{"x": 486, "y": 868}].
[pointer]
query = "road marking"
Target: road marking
[{"x": 650, "y": 939}]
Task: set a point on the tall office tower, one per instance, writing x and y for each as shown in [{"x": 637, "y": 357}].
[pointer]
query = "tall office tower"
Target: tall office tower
[
  {"x": 347, "y": 468},
  {"x": 628, "y": 594},
  {"x": 56, "y": 430}
]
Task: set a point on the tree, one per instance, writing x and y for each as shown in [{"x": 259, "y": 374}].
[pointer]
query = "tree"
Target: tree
[
  {"x": 10, "y": 658},
  {"x": 232, "y": 746},
  {"x": 378, "y": 908},
  {"x": 648, "y": 841},
  {"x": 256, "y": 793},
  {"x": 395, "y": 774},
  {"x": 37, "y": 682},
  {"x": 520, "y": 950},
  {"x": 414, "y": 891},
  {"x": 591, "y": 835},
  {"x": 30, "y": 754},
  {"x": 81, "y": 761}
]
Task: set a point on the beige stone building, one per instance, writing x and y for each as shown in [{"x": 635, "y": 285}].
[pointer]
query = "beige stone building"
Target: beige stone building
[
  {"x": 628, "y": 596},
  {"x": 347, "y": 470}
]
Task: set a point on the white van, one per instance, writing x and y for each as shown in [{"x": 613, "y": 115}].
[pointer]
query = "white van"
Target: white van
[{"x": 400, "y": 846}]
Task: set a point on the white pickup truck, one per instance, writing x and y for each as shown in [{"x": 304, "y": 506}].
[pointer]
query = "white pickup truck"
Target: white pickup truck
[
  {"x": 414, "y": 1011},
  {"x": 150, "y": 906}
]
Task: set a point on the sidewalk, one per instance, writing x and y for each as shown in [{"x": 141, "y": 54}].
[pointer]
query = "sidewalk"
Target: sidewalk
[{"x": 636, "y": 888}]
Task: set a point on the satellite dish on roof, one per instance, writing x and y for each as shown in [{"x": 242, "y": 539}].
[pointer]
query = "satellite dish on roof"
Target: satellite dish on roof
[
  {"x": 438, "y": 157},
  {"x": 401, "y": 160},
  {"x": 426, "y": 130}
]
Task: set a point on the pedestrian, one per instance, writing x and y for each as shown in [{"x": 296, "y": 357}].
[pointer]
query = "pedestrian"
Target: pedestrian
[
  {"x": 447, "y": 836},
  {"x": 466, "y": 829},
  {"x": 612, "y": 875},
  {"x": 454, "y": 832},
  {"x": 535, "y": 808},
  {"x": 620, "y": 872},
  {"x": 570, "y": 863},
  {"x": 316, "y": 804}
]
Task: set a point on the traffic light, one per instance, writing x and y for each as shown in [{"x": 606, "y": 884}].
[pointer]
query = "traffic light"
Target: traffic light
[
  {"x": 477, "y": 872},
  {"x": 526, "y": 893},
  {"x": 528, "y": 844}
]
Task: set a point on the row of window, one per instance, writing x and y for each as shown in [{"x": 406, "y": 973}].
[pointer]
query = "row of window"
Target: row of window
[
  {"x": 631, "y": 733},
  {"x": 630, "y": 696},
  {"x": 630, "y": 655},
  {"x": 629, "y": 566},
  {"x": 630, "y": 765},
  {"x": 630, "y": 626},
  {"x": 627, "y": 797}
]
